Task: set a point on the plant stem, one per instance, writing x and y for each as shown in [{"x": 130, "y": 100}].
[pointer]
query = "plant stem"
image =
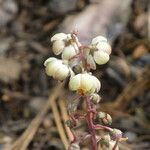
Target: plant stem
[
  {"x": 103, "y": 127},
  {"x": 89, "y": 119}
]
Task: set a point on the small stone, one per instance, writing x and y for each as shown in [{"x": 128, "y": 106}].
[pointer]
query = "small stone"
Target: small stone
[{"x": 10, "y": 69}]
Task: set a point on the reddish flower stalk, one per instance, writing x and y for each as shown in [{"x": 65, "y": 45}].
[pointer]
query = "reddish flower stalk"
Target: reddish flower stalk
[
  {"x": 98, "y": 126},
  {"x": 89, "y": 119}
]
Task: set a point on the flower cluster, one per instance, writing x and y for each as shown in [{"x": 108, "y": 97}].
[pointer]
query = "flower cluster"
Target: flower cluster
[
  {"x": 76, "y": 56},
  {"x": 75, "y": 64}
]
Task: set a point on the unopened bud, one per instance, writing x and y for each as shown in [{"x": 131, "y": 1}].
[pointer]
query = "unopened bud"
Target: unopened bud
[
  {"x": 115, "y": 134},
  {"x": 105, "y": 118},
  {"x": 95, "y": 98}
]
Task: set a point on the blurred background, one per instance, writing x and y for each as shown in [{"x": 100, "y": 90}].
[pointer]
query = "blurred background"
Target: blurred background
[{"x": 25, "y": 30}]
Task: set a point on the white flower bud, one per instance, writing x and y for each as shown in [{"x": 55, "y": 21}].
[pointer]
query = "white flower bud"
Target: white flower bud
[
  {"x": 91, "y": 62},
  {"x": 59, "y": 36},
  {"x": 84, "y": 83},
  {"x": 104, "y": 46},
  {"x": 58, "y": 47},
  {"x": 98, "y": 39},
  {"x": 56, "y": 69},
  {"x": 116, "y": 134},
  {"x": 101, "y": 57},
  {"x": 104, "y": 117},
  {"x": 101, "y": 115},
  {"x": 68, "y": 52},
  {"x": 95, "y": 98}
]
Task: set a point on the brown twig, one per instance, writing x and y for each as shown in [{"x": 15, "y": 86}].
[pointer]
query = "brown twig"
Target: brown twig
[
  {"x": 23, "y": 141},
  {"x": 65, "y": 117},
  {"x": 89, "y": 119},
  {"x": 133, "y": 89},
  {"x": 59, "y": 124}
]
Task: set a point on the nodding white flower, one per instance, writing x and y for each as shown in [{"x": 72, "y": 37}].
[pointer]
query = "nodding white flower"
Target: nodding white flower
[
  {"x": 58, "y": 47},
  {"x": 59, "y": 36},
  {"x": 98, "y": 39},
  {"x": 104, "y": 46},
  {"x": 84, "y": 83},
  {"x": 68, "y": 52},
  {"x": 56, "y": 69},
  {"x": 101, "y": 57}
]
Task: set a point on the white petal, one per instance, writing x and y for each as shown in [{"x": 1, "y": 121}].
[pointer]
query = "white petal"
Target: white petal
[
  {"x": 104, "y": 46},
  {"x": 58, "y": 47},
  {"x": 95, "y": 98},
  {"x": 68, "y": 52},
  {"x": 61, "y": 73},
  {"x": 52, "y": 66},
  {"x": 98, "y": 39},
  {"x": 101, "y": 57},
  {"x": 86, "y": 82},
  {"x": 59, "y": 36},
  {"x": 74, "y": 83},
  {"x": 96, "y": 84},
  {"x": 49, "y": 60}
]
